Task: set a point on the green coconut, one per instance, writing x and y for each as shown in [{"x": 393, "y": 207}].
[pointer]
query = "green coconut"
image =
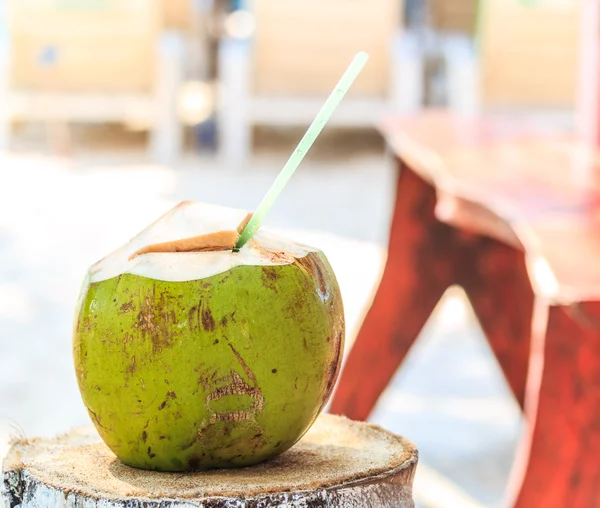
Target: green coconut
[{"x": 198, "y": 360}]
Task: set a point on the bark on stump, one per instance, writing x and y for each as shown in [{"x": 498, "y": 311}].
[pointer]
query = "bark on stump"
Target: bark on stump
[{"x": 339, "y": 463}]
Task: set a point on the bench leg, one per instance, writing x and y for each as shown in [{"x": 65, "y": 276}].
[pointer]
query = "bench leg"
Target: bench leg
[
  {"x": 5, "y": 117},
  {"x": 560, "y": 456},
  {"x": 418, "y": 271},
  {"x": 59, "y": 138},
  {"x": 5, "y": 132},
  {"x": 495, "y": 279},
  {"x": 166, "y": 137},
  {"x": 234, "y": 121}
]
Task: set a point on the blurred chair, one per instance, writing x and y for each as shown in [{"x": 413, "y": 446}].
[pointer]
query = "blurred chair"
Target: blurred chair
[
  {"x": 529, "y": 54},
  {"x": 526, "y": 58},
  {"x": 457, "y": 16},
  {"x": 96, "y": 61},
  {"x": 298, "y": 52},
  {"x": 191, "y": 19}
]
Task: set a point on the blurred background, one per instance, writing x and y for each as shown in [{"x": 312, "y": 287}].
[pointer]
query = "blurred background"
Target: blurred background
[{"x": 112, "y": 111}]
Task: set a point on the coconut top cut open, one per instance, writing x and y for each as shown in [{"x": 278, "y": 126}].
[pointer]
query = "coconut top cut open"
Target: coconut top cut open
[{"x": 194, "y": 241}]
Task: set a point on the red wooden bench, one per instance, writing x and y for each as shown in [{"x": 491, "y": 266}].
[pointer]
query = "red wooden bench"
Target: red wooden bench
[{"x": 512, "y": 214}]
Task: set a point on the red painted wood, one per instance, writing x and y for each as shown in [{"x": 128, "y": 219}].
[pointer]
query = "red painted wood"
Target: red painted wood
[
  {"x": 426, "y": 257},
  {"x": 561, "y": 456},
  {"x": 507, "y": 211},
  {"x": 587, "y": 112},
  {"x": 414, "y": 279},
  {"x": 531, "y": 176},
  {"x": 495, "y": 279}
]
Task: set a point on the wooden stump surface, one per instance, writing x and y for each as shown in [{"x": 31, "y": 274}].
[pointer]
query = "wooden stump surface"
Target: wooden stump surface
[{"x": 337, "y": 463}]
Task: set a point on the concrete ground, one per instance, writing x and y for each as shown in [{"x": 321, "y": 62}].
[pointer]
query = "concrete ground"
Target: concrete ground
[{"x": 58, "y": 215}]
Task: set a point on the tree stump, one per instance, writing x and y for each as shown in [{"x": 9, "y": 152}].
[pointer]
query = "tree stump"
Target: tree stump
[{"x": 338, "y": 463}]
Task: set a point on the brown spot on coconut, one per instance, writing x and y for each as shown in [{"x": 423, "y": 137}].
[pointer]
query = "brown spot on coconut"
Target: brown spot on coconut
[
  {"x": 126, "y": 307},
  {"x": 208, "y": 322}
]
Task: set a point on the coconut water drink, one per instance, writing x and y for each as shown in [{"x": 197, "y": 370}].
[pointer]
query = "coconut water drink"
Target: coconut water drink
[{"x": 190, "y": 355}]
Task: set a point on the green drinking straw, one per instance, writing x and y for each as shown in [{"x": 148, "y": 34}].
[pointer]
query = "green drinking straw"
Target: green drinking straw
[{"x": 303, "y": 147}]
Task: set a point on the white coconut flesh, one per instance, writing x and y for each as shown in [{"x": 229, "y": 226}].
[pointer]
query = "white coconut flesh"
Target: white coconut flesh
[{"x": 181, "y": 226}]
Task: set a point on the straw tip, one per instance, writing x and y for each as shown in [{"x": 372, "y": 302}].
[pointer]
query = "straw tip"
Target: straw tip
[{"x": 362, "y": 55}]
